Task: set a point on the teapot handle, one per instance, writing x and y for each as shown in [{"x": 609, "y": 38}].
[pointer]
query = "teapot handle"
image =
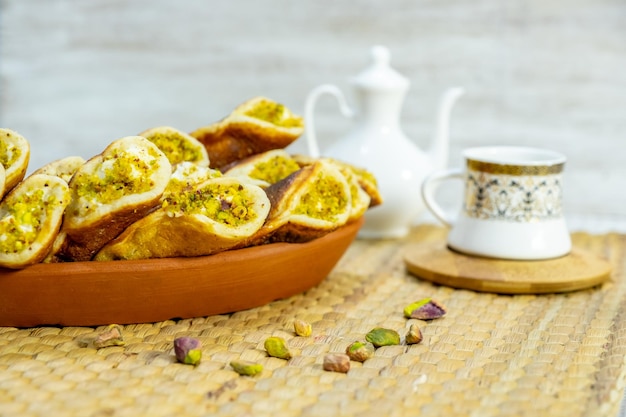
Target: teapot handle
[{"x": 309, "y": 109}]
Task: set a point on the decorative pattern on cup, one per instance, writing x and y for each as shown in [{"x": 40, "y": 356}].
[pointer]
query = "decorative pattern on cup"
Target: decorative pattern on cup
[{"x": 513, "y": 193}]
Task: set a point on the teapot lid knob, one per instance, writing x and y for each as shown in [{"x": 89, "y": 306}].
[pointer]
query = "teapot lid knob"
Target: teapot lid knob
[{"x": 379, "y": 75}]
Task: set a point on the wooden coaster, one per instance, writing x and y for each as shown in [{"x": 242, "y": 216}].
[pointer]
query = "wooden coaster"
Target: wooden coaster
[{"x": 434, "y": 262}]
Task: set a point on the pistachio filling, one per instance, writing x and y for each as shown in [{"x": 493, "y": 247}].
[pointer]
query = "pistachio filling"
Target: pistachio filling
[
  {"x": 8, "y": 154},
  {"x": 274, "y": 169},
  {"x": 274, "y": 113},
  {"x": 325, "y": 201},
  {"x": 22, "y": 220},
  {"x": 229, "y": 204},
  {"x": 186, "y": 175},
  {"x": 365, "y": 174},
  {"x": 175, "y": 146},
  {"x": 122, "y": 173}
]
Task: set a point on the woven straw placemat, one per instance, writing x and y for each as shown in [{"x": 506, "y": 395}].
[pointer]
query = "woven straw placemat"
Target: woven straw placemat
[{"x": 491, "y": 355}]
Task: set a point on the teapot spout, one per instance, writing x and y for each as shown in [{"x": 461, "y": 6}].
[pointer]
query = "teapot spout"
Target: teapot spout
[{"x": 440, "y": 144}]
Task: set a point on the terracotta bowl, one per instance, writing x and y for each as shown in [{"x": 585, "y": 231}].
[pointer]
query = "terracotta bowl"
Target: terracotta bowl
[{"x": 123, "y": 292}]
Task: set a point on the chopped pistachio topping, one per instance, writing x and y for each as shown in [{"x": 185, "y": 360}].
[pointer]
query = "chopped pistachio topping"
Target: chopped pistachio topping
[
  {"x": 120, "y": 174},
  {"x": 175, "y": 146},
  {"x": 325, "y": 201},
  {"x": 274, "y": 169},
  {"x": 186, "y": 175},
  {"x": 274, "y": 113},
  {"x": 226, "y": 203},
  {"x": 21, "y": 220}
]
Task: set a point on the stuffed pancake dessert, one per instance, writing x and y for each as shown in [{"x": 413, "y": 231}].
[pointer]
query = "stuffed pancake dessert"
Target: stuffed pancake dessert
[
  {"x": 256, "y": 126},
  {"x": 263, "y": 169},
  {"x": 365, "y": 179},
  {"x": 177, "y": 146},
  {"x": 309, "y": 203},
  {"x": 63, "y": 168},
  {"x": 14, "y": 158},
  {"x": 111, "y": 191},
  {"x": 30, "y": 218},
  {"x": 210, "y": 217}
]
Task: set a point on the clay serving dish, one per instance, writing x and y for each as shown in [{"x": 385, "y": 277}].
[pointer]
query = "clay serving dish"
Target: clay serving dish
[{"x": 123, "y": 292}]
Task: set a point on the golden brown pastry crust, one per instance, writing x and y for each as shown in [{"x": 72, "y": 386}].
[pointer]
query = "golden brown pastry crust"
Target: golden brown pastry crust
[
  {"x": 92, "y": 219},
  {"x": 162, "y": 234},
  {"x": 291, "y": 198},
  {"x": 244, "y": 132}
]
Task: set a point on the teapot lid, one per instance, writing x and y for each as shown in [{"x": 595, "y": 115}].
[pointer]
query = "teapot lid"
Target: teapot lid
[{"x": 379, "y": 75}]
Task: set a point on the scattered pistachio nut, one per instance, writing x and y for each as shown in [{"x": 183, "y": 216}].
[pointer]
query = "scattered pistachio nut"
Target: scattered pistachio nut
[
  {"x": 414, "y": 335},
  {"x": 360, "y": 351},
  {"x": 302, "y": 328},
  {"x": 380, "y": 336},
  {"x": 188, "y": 350},
  {"x": 112, "y": 336},
  {"x": 424, "y": 309},
  {"x": 336, "y": 362},
  {"x": 247, "y": 368},
  {"x": 277, "y": 347}
]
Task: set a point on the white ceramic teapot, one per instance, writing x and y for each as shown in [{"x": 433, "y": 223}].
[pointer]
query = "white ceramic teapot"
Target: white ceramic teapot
[{"x": 378, "y": 144}]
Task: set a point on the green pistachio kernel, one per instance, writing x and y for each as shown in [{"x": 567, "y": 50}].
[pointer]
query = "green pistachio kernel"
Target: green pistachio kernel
[
  {"x": 277, "y": 347},
  {"x": 424, "y": 309},
  {"x": 246, "y": 368},
  {"x": 360, "y": 351},
  {"x": 383, "y": 337}
]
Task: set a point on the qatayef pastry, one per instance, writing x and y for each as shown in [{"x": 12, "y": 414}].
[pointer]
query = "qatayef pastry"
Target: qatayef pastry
[
  {"x": 360, "y": 200},
  {"x": 30, "y": 218},
  {"x": 14, "y": 157},
  {"x": 256, "y": 126},
  {"x": 214, "y": 216},
  {"x": 111, "y": 191},
  {"x": 264, "y": 169},
  {"x": 367, "y": 180},
  {"x": 63, "y": 168},
  {"x": 308, "y": 204},
  {"x": 177, "y": 146}
]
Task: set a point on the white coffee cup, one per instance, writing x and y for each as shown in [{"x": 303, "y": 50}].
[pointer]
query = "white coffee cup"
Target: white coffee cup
[{"x": 512, "y": 204}]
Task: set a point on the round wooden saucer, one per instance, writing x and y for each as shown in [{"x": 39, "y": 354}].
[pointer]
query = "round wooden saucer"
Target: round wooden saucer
[{"x": 435, "y": 262}]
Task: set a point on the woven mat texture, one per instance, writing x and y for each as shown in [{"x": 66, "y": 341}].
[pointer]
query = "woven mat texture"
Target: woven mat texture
[{"x": 491, "y": 355}]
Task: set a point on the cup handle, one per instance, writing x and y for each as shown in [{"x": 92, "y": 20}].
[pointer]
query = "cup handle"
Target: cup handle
[
  {"x": 309, "y": 109},
  {"x": 430, "y": 185}
]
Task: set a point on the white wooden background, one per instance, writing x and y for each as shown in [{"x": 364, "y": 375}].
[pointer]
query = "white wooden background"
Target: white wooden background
[{"x": 76, "y": 75}]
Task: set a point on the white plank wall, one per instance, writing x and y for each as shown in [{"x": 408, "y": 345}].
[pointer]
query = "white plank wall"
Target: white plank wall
[{"x": 76, "y": 75}]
